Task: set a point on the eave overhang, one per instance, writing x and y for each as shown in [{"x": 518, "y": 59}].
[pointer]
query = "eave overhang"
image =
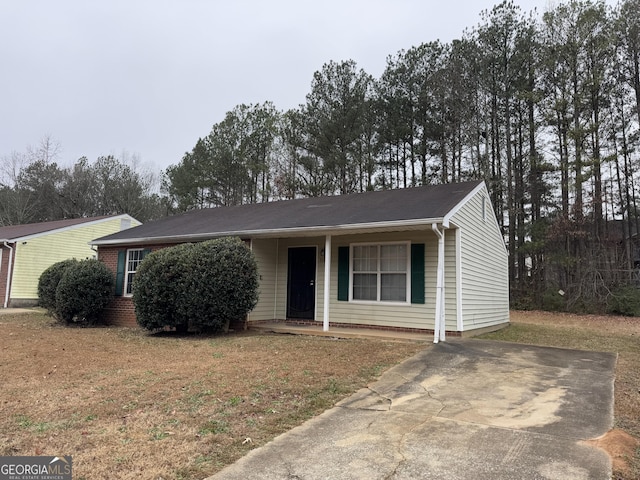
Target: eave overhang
[{"x": 375, "y": 227}]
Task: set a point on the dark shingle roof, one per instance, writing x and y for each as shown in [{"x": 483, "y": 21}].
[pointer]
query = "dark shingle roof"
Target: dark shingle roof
[
  {"x": 379, "y": 207},
  {"x": 13, "y": 232}
]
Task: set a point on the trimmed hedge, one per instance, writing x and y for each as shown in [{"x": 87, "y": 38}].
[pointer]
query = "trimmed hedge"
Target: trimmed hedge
[
  {"x": 75, "y": 291},
  {"x": 48, "y": 283},
  {"x": 201, "y": 286},
  {"x": 159, "y": 279}
]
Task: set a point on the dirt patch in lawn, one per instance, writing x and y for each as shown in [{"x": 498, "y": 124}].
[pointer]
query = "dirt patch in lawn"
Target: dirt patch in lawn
[
  {"x": 597, "y": 333},
  {"x": 621, "y": 447},
  {"x": 128, "y": 405}
]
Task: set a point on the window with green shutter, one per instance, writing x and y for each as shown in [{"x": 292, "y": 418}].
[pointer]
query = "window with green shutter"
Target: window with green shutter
[
  {"x": 128, "y": 262},
  {"x": 380, "y": 272}
]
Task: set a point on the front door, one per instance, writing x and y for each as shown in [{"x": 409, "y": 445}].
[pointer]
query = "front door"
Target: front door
[{"x": 301, "y": 283}]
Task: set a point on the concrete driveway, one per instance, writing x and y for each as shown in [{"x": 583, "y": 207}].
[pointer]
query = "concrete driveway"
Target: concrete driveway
[{"x": 464, "y": 409}]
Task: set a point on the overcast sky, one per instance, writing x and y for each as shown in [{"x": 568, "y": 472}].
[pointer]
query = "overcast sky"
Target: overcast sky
[{"x": 149, "y": 77}]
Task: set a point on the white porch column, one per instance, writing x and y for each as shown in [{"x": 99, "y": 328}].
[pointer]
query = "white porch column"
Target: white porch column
[
  {"x": 439, "y": 321},
  {"x": 327, "y": 282}
]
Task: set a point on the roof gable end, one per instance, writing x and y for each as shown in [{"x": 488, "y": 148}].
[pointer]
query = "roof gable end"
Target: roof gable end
[{"x": 15, "y": 233}]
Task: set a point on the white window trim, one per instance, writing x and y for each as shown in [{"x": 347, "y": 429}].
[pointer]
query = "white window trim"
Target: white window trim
[
  {"x": 127, "y": 271},
  {"x": 407, "y": 301}
]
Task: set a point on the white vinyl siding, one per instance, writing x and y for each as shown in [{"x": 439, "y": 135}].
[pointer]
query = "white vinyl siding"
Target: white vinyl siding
[
  {"x": 388, "y": 314},
  {"x": 450, "y": 280},
  {"x": 484, "y": 278},
  {"x": 266, "y": 254},
  {"x": 371, "y": 313}
]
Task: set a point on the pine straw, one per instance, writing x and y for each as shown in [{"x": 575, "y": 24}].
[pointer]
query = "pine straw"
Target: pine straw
[{"x": 128, "y": 405}]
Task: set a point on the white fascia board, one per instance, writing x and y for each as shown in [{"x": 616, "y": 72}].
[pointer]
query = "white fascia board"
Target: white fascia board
[
  {"x": 454, "y": 210},
  {"x": 461, "y": 203},
  {"x": 276, "y": 232},
  {"x": 71, "y": 227}
]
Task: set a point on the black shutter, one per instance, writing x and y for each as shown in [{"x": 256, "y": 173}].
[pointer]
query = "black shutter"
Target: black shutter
[
  {"x": 122, "y": 259},
  {"x": 417, "y": 273},
  {"x": 343, "y": 273}
]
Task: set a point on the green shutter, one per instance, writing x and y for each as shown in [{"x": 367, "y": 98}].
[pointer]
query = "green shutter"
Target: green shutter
[
  {"x": 417, "y": 273},
  {"x": 122, "y": 259},
  {"x": 343, "y": 273}
]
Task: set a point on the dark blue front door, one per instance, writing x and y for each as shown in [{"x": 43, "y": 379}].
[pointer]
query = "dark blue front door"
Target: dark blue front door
[{"x": 301, "y": 288}]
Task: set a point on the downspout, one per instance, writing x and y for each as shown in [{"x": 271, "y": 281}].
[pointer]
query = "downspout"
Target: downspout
[
  {"x": 8, "y": 285},
  {"x": 439, "y": 321},
  {"x": 327, "y": 283},
  {"x": 275, "y": 290}
]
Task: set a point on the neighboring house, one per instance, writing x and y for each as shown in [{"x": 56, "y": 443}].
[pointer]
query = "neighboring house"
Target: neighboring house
[
  {"x": 419, "y": 259},
  {"x": 27, "y": 250}
]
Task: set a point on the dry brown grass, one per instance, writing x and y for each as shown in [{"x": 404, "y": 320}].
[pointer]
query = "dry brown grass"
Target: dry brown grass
[
  {"x": 598, "y": 333},
  {"x": 129, "y": 405},
  {"x": 126, "y": 404}
]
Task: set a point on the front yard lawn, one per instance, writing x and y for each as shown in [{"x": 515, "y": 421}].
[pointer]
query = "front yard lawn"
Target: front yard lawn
[{"x": 130, "y": 405}]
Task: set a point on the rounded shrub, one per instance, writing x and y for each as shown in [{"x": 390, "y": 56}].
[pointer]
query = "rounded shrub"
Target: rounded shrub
[
  {"x": 83, "y": 291},
  {"x": 48, "y": 283},
  {"x": 160, "y": 278},
  {"x": 201, "y": 286},
  {"x": 224, "y": 284}
]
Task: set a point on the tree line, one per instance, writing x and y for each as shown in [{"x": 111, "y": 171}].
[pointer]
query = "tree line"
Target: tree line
[
  {"x": 544, "y": 108},
  {"x": 34, "y": 187}
]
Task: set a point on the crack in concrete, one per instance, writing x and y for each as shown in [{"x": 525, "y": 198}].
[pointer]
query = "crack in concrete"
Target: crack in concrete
[
  {"x": 380, "y": 395},
  {"x": 400, "y": 444},
  {"x": 400, "y": 447}
]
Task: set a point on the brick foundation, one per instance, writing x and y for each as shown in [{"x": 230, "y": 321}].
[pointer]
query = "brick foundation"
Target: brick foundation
[
  {"x": 120, "y": 312},
  {"x": 313, "y": 323}
]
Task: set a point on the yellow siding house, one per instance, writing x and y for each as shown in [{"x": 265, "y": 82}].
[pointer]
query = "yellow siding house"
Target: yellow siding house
[{"x": 27, "y": 250}]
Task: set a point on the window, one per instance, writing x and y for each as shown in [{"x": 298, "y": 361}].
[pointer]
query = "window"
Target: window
[
  {"x": 380, "y": 272},
  {"x": 134, "y": 257}
]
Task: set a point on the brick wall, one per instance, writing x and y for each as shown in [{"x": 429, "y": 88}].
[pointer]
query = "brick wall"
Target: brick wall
[
  {"x": 4, "y": 268},
  {"x": 120, "y": 310}
]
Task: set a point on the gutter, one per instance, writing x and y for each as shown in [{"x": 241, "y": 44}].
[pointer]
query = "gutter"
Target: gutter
[
  {"x": 8, "y": 286},
  {"x": 274, "y": 232},
  {"x": 439, "y": 321}
]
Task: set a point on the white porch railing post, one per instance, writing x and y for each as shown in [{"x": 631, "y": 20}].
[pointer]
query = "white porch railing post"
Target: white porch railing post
[{"x": 327, "y": 282}]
